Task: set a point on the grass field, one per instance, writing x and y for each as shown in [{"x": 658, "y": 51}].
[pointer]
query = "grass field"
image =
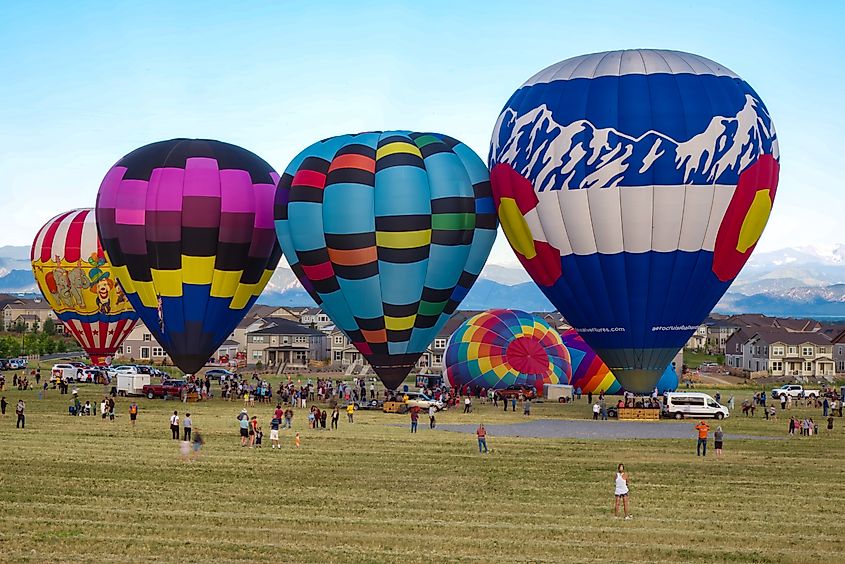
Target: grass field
[
  {"x": 80, "y": 488},
  {"x": 693, "y": 359}
]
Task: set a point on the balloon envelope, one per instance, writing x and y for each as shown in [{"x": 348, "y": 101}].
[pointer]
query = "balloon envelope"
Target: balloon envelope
[
  {"x": 77, "y": 281},
  {"x": 592, "y": 375},
  {"x": 387, "y": 231},
  {"x": 500, "y": 348},
  {"x": 633, "y": 186},
  {"x": 188, "y": 226}
]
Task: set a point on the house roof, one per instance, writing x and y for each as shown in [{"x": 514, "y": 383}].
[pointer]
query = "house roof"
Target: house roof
[
  {"x": 282, "y": 326},
  {"x": 792, "y": 337},
  {"x": 792, "y": 324},
  {"x": 26, "y": 303},
  {"x": 27, "y": 317},
  {"x": 742, "y": 335},
  {"x": 229, "y": 343},
  {"x": 311, "y": 311}
]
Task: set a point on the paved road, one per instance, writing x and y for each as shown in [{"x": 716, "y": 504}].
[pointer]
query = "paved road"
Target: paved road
[{"x": 573, "y": 429}]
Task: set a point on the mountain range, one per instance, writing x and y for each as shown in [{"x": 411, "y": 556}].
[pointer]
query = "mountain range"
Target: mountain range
[{"x": 793, "y": 282}]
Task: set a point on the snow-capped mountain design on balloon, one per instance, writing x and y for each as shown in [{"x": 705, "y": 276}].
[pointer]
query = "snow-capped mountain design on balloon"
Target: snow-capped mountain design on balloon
[{"x": 579, "y": 155}]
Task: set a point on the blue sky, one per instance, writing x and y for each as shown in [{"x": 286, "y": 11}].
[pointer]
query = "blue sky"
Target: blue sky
[{"x": 83, "y": 84}]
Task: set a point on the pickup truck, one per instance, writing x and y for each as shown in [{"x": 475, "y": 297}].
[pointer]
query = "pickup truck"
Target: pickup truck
[
  {"x": 794, "y": 391},
  {"x": 167, "y": 388}
]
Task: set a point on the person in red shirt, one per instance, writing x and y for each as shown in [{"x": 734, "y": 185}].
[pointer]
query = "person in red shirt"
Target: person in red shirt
[
  {"x": 481, "y": 432},
  {"x": 415, "y": 415},
  {"x": 701, "y": 447}
]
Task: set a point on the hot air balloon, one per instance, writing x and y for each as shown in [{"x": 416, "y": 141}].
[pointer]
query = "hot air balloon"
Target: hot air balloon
[
  {"x": 78, "y": 282},
  {"x": 633, "y": 186},
  {"x": 592, "y": 375},
  {"x": 188, "y": 226},
  {"x": 387, "y": 231},
  {"x": 502, "y": 347}
]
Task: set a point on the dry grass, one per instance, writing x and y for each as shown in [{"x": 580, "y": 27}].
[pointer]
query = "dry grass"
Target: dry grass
[{"x": 83, "y": 488}]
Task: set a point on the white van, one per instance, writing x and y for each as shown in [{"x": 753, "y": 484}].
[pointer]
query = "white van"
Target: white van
[{"x": 693, "y": 404}]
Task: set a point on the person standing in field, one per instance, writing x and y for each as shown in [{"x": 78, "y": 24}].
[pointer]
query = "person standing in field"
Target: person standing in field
[
  {"x": 830, "y": 423},
  {"x": 335, "y": 417},
  {"x": 513, "y": 404},
  {"x": 274, "y": 432},
  {"x": 415, "y": 415},
  {"x": 20, "y": 411},
  {"x": 174, "y": 426},
  {"x": 467, "y": 404},
  {"x": 701, "y": 447},
  {"x": 481, "y": 433},
  {"x": 717, "y": 440},
  {"x": 621, "y": 491},
  {"x": 431, "y": 412},
  {"x": 133, "y": 412},
  {"x": 243, "y": 423},
  {"x": 526, "y": 406},
  {"x": 596, "y": 410},
  {"x": 187, "y": 424},
  {"x": 350, "y": 410},
  {"x": 197, "y": 445},
  {"x": 3, "y": 404}
]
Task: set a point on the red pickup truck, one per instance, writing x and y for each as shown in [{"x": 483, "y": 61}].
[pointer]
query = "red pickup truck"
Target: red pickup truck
[{"x": 171, "y": 388}]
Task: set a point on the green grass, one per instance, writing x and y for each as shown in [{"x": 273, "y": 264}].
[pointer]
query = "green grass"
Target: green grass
[
  {"x": 693, "y": 359},
  {"x": 88, "y": 489}
]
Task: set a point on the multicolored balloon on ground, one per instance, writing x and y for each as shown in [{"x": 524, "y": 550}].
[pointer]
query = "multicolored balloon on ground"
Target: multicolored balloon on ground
[
  {"x": 592, "y": 375},
  {"x": 387, "y": 231},
  {"x": 502, "y": 347},
  {"x": 77, "y": 281},
  {"x": 188, "y": 226},
  {"x": 633, "y": 186}
]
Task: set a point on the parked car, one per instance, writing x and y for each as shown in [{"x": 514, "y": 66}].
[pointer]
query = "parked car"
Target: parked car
[
  {"x": 515, "y": 391},
  {"x": 126, "y": 369},
  {"x": 419, "y": 399},
  {"x": 91, "y": 375},
  {"x": 369, "y": 404},
  {"x": 166, "y": 388},
  {"x": 216, "y": 373},
  {"x": 794, "y": 391},
  {"x": 693, "y": 404}
]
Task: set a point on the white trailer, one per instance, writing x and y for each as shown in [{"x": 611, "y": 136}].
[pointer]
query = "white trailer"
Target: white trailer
[
  {"x": 557, "y": 392},
  {"x": 131, "y": 384}
]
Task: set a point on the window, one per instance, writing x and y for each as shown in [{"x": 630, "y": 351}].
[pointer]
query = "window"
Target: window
[
  {"x": 822, "y": 350},
  {"x": 146, "y": 337},
  {"x": 793, "y": 350},
  {"x": 301, "y": 339},
  {"x": 257, "y": 355},
  {"x": 439, "y": 343},
  {"x": 438, "y": 359},
  {"x": 258, "y": 338},
  {"x": 127, "y": 349},
  {"x": 158, "y": 351},
  {"x": 776, "y": 365},
  {"x": 808, "y": 366},
  {"x": 338, "y": 339},
  {"x": 777, "y": 351},
  {"x": 338, "y": 355},
  {"x": 119, "y": 351},
  {"x": 806, "y": 351},
  {"x": 840, "y": 349},
  {"x": 840, "y": 366},
  {"x": 145, "y": 352}
]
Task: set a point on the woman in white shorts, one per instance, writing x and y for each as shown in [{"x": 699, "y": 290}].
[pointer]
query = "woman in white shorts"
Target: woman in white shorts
[{"x": 621, "y": 491}]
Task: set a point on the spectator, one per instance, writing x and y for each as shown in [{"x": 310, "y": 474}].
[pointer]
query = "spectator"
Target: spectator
[
  {"x": 431, "y": 413},
  {"x": 596, "y": 411},
  {"x": 243, "y": 421},
  {"x": 20, "y": 411},
  {"x": 415, "y": 415},
  {"x": 526, "y": 407},
  {"x": 274, "y": 432},
  {"x": 3, "y": 404},
  {"x": 133, "y": 412},
  {"x": 701, "y": 447},
  {"x": 174, "y": 426},
  {"x": 187, "y": 424},
  {"x": 335, "y": 417},
  {"x": 481, "y": 433},
  {"x": 717, "y": 441},
  {"x": 467, "y": 405},
  {"x": 621, "y": 491},
  {"x": 350, "y": 410}
]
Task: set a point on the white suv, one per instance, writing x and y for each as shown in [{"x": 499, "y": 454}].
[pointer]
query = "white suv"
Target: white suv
[{"x": 64, "y": 371}]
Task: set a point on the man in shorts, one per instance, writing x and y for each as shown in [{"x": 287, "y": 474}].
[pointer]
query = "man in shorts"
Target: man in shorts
[
  {"x": 274, "y": 432},
  {"x": 133, "y": 412}
]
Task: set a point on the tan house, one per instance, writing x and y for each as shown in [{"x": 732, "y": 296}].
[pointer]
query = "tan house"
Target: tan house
[
  {"x": 282, "y": 343},
  {"x": 141, "y": 347},
  {"x": 31, "y": 313},
  {"x": 805, "y": 354}
]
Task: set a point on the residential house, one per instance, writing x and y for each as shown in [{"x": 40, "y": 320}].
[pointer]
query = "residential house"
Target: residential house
[
  {"x": 806, "y": 354},
  {"x": 734, "y": 347},
  {"x": 141, "y": 346},
  {"x": 838, "y": 344},
  {"x": 718, "y": 333},
  {"x": 698, "y": 340},
  {"x": 31, "y": 313},
  {"x": 284, "y": 343},
  {"x": 314, "y": 317}
]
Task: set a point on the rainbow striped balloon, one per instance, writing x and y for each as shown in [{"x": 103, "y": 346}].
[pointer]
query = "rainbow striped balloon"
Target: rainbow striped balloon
[{"x": 502, "y": 347}]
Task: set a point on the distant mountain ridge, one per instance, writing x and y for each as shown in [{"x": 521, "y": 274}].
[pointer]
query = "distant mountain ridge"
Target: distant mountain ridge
[{"x": 795, "y": 282}]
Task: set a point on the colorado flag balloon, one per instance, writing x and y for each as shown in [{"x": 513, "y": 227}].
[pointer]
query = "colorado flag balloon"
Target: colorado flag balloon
[
  {"x": 633, "y": 186},
  {"x": 387, "y": 231},
  {"x": 188, "y": 226},
  {"x": 78, "y": 282}
]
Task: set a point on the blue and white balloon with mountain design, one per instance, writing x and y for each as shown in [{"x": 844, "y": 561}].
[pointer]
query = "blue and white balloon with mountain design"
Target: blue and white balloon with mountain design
[{"x": 633, "y": 186}]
